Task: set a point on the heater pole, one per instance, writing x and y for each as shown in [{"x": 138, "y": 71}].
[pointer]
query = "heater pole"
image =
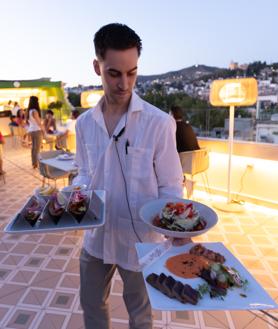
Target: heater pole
[{"x": 230, "y": 150}]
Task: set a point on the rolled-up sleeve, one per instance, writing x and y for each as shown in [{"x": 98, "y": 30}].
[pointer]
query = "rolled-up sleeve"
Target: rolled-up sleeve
[
  {"x": 167, "y": 163},
  {"x": 83, "y": 176}
]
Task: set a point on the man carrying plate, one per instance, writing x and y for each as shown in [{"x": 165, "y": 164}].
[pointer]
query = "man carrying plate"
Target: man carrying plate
[{"x": 126, "y": 147}]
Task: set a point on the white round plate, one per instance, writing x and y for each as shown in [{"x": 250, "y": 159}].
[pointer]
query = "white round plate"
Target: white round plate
[
  {"x": 65, "y": 157},
  {"x": 152, "y": 208}
]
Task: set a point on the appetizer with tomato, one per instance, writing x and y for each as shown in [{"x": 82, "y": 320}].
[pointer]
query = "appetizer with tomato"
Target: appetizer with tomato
[{"x": 181, "y": 217}]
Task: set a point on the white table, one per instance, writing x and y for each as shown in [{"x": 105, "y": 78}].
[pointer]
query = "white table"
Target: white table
[{"x": 65, "y": 165}]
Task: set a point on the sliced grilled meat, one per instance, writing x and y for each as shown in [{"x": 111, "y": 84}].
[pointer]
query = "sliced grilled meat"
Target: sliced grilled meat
[
  {"x": 177, "y": 291},
  {"x": 200, "y": 250},
  {"x": 173, "y": 289},
  {"x": 152, "y": 279},
  {"x": 168, "y": 285},
  {"x": 190, "y": 295}
]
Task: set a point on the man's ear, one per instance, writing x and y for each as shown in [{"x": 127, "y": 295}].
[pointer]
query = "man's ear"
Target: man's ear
[{"x": 96, "y": 66}]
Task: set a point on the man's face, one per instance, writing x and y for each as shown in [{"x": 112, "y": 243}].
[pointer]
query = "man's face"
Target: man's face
[{"x": 118, "y": 71}]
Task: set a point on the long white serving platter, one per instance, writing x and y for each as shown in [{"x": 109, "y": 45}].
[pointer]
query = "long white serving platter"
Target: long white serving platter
[{"x": 256, "y": 296}]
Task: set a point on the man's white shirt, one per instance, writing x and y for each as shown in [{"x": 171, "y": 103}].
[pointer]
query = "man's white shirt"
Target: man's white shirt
[{"x": 151, "y": 166}]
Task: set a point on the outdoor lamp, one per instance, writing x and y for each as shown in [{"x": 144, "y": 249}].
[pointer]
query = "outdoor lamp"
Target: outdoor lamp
[
  {"x": 90, "y": 98},
  {"x": 232, "y": 92}
]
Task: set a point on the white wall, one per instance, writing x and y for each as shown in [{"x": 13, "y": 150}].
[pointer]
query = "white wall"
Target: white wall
[{"x": 260, "y": 182}]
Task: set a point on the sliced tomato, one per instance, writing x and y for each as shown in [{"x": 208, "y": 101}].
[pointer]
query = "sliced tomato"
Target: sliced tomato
[
  {"x": 170, "y": 205},
  {"x": 191, "y": 213},
  {"x": 189, "y": 205},
  {"x": 180, "y": 204},
  {"x": 180, "y": 208}
]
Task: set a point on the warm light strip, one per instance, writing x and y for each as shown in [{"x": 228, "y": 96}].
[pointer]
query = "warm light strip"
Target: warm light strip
[
  {"x": 257, "y": 163},
  {"x": 21, "y": 92},
  {"x": 253, "y": 178}
]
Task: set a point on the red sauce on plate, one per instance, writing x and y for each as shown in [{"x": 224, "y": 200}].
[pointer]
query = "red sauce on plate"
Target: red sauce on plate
[{"x": 186, "y": 265}]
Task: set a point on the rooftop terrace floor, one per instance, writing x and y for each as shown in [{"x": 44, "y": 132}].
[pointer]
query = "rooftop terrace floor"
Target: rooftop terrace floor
[{"x": 39, "y": 274}]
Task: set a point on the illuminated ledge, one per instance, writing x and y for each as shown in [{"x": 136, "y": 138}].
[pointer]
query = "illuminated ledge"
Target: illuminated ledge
[
  {"x": 254, "y": 175},
  {"x": 243, "y": 148}
]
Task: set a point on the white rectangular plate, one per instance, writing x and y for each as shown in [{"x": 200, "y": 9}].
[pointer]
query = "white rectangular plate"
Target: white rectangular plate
[
  {"x": 257, "y": 297},
  {"x": 94, "y": 218}
]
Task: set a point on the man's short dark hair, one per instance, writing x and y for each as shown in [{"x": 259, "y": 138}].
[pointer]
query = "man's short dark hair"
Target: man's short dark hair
[{"x": 116, "y": 36}]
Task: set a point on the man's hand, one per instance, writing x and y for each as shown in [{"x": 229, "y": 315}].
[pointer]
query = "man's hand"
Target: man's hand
[{"x": 179, "y": 241}]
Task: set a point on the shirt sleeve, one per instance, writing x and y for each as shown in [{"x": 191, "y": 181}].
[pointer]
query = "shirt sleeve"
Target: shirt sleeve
[
  {"x": 83, "y": 176},
  {"x": 167, "y": 162}
]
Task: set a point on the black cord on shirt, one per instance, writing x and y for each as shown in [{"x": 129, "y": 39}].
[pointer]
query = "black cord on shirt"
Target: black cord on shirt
[{"x": 126, "y": 193}]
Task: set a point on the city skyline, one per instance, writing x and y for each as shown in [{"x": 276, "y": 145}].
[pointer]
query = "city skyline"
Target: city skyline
[{"x": 55, "y": 39}]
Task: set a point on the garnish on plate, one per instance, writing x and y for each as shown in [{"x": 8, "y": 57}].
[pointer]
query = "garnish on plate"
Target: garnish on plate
[
  {"x": 180, "y": 217},
  {"x": 33, "y": 211},
  {"x": 56, "y": 206},
  {"x": 243, "y": 295},
  {"x": 206, "y": 264},
  {"x": 78, "y": 205},
  {"x": 220, "y": 278}
]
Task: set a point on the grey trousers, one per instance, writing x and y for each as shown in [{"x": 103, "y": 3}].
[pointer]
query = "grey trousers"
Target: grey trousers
[
  {"x": 95, "y": 279},
  {"x": 36, "y": 137}
]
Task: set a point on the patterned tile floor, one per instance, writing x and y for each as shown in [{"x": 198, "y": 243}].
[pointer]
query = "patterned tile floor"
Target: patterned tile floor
[{"x": 39, "y": 274}]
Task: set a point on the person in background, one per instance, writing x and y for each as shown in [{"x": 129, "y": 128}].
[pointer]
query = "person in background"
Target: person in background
[
  {"x": 35, "y": 128},
  {"x": 49, "y": 122},
  {"x": 185, "y": 135},
  {"x": 8, "y": 107},
  {"x": 2, "y": 142},
  {"x": 13, "y": 123},
  {"x": 20, "y": 118},
  {"x": 61, "y": 141},
  {"x": 126, "y": 147},
  {"x": 15, "y": 109},
  {"x": 22, "y": 123}
]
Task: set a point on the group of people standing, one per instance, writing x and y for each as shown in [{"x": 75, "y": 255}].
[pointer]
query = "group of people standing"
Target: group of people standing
[
  {"x": 30, "y": 121},
  {"x": 35, "y": 130},
  {"x": 18, "y": 118}
]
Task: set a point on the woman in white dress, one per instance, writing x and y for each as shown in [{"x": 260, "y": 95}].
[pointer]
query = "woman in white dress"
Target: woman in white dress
[{"x": 35, "y": 128}]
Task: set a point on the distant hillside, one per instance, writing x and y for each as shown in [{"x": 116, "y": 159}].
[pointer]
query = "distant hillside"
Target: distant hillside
[{"x": 186, "y": 74}]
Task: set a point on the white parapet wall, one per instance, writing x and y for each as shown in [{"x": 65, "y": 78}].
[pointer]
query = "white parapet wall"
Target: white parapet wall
[{"x": 254, "y": 170}]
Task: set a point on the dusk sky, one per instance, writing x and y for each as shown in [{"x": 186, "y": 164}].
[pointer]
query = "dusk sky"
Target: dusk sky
[{"x": 54, "y": 38}]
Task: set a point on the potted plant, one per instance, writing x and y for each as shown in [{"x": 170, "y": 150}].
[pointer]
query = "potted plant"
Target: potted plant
[{"x": 58, "y": 106}]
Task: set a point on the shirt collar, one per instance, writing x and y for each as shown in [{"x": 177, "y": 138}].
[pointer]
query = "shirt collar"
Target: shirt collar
[
  {"x": 135, "y": 105},
  {"x": 97, "y": 114}
]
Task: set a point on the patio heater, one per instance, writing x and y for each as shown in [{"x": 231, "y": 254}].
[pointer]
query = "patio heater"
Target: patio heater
[{"x": 232, "y": 92}]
